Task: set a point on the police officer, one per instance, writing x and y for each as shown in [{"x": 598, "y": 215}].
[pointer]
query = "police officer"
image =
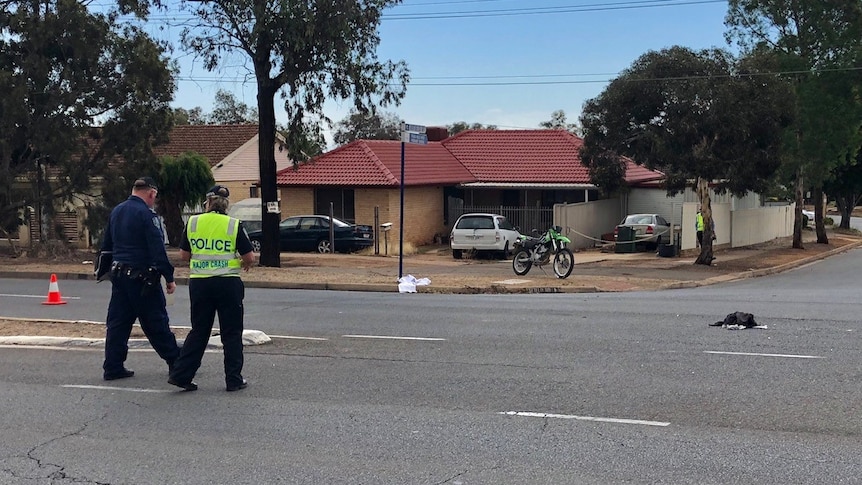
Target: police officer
[
  {"x": 217, "y": 248},
  {"x": 134, "y": 236}
]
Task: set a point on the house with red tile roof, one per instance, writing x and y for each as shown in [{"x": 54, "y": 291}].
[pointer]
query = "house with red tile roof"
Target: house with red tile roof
[
  {"x": 472, "y": 170},
  {"x": 232, "y": 152}
]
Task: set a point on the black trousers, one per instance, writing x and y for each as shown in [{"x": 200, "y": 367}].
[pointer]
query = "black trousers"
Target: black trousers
[
  {"x": 220, "y": 295},
  {"x": 129, "y": 302}
]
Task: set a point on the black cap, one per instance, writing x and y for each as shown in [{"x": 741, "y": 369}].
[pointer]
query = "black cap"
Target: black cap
[
  {"x": 218, "y": 191},
  {"x": 145, "y": 182}
]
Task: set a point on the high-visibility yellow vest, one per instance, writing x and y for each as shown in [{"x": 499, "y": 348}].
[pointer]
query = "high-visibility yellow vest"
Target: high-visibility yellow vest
[
  {"x": 212, "y": 237},
  {"x": 699, "y": 223}
]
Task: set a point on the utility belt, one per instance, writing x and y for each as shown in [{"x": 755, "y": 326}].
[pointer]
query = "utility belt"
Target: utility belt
[{"x": 150, "y": 276}]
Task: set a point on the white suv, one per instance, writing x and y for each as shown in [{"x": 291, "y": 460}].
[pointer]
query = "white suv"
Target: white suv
[{"x": 483, "y": 232}]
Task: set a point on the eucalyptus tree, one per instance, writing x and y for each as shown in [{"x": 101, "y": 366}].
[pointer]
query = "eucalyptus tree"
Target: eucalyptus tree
[
  {"x": 819, "y": 42},
  {"x": 558, "y": 121},
  {"x": 459, "y": 126},
  {"x": 368, "y": 126},
  {"x": 80, "y": 90},
  {"x": 701, "y": 117},
  {"x": 307, "y": 50},
  {"x": 227, "y": 110}
]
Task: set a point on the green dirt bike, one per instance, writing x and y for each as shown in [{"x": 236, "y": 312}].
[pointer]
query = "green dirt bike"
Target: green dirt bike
[{"x": 538, "y": 249}]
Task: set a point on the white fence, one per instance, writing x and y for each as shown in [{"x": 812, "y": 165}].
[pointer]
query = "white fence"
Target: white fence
[
  {"x": 585, "y": 222},
  {"x": 739, "y": 228}
]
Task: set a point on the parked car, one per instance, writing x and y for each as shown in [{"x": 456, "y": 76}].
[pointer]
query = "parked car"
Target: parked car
[
  {"x": 311, "y": 233},
  {"x": 809, "y": 214},
  {"x": 483, "y": 232},
  {"x": 651, "y": 229},
  {"x": 248, "y": 211}
]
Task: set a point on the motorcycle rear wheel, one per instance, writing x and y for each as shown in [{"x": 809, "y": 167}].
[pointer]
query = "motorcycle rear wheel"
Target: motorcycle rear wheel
[
  {"x": 564, "y": 262},
  {"x": 521, "y": 263}
]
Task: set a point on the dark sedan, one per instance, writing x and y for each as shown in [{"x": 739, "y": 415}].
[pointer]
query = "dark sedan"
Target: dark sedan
[{"x": 311, "y": 233}]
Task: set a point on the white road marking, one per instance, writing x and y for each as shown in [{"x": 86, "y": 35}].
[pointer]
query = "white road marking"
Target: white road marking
[
  {"x": 584, "y": 418},
  {"x": 389, "y": 337},
  {"x": 115, "y": 388},
  {"x": 766, "y": 355},
  {"x": 39, "y": 296},
  {"x": 296, "y": 338},
  {"x": 53, "y": 347}
]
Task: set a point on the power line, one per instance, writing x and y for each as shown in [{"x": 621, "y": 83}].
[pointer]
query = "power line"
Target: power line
[
  {"x": 487, "y": 13},
  {"x": 595, "y": 7},
  {"x": 556, "y": 82}
]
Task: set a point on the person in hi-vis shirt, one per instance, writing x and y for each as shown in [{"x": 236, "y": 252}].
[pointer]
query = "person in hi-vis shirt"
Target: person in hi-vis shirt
[{"x": 217, "y": 248}]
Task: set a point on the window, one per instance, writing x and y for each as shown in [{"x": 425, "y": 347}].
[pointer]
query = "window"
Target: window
[
  {"x": 341, "y": 200},
  {"x": 309, "y": 223},
  {"x": 475, "y": 222},
  {"x": 290, "y": 223},
  {"x": 504, "y": 223}
]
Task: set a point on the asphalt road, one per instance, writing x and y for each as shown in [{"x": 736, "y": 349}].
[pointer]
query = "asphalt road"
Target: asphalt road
[{"x": 374, "y": 388}]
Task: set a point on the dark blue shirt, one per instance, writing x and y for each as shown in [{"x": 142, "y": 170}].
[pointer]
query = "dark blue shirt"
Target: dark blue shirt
[{"x": 135, "y": 236}]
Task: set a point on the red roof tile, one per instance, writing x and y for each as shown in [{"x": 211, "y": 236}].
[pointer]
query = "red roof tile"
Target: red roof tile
[
  {"x": 485, "y": 156},
  {"x": 531, "y": 156},
  {"x": 378, "y": 163},
  {"x": 212, "y": 141}
]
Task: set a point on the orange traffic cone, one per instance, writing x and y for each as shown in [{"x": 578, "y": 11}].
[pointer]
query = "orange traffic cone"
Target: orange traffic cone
[{"x": 54, "y": 297}]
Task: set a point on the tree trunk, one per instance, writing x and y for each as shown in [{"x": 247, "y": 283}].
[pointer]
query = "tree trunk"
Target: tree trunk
[
  {"x": 797, "y": 217},
  {"x": 845, "y": 208},
  {"x": 706, "y": 255},
  {"x": 171, "y": 212},
  {"x": 269, "y": 250},
  {"x": 819, "y": 210}
]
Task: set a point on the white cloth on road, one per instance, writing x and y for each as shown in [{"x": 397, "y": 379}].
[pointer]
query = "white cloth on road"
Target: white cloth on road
[{"x": 408, "y": 284}]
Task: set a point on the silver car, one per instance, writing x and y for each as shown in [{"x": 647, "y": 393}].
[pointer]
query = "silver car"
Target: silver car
[
  {"x": 483, "y": 232},
  {"x": 651, "y": 229}
]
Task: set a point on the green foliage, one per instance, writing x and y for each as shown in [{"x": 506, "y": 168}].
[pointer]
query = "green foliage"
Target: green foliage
[
  {"x": 193, "y": 116},
  {"x": 183, "y": 182},
  {"x": 65, "y": 69},
  {"x": 367, "y": 126},
  {"x": 845, "y": 186},
  {"x": 819, "y": 44},
  {"x": 690, "y": 115},
  {"x": 558, "y": 121},
  {"x": 459, "y": 126},
  {"x": 227, "y": 110}
]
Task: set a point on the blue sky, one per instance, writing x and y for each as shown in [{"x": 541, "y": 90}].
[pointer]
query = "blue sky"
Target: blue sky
[{"x": 508, "y": 70}]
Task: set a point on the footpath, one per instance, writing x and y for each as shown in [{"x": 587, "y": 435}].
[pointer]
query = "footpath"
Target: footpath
[{"x": 594, "y": 271}]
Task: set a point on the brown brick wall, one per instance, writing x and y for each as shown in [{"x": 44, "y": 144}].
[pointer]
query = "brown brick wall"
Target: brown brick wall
[
  {"x": 296, "y": 201},
  {"x": 365, "y": 200},
  {"x": 239, "y": 190},
  {"x": 423, "y": 215}
]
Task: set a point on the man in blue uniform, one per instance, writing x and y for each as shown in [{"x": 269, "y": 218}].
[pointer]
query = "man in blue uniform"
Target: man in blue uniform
[
  {"x": 134, "y": 236},
  {"x": 217, "y": 248}
]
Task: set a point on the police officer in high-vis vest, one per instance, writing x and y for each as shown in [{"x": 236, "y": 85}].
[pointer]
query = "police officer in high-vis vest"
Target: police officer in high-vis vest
[{"x": 217, "y": 248}]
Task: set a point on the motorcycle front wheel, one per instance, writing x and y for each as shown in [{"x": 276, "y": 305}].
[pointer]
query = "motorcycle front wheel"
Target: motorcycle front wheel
[
  {"x": 521, "y": 263},
  {"x": 564, "y": 261}
]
